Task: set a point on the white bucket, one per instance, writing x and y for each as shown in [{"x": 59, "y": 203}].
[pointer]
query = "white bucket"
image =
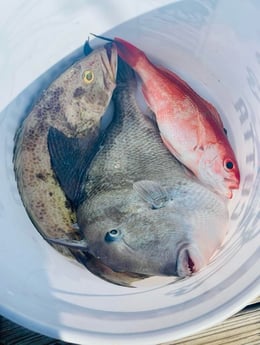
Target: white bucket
[{"x": 215, "y": 46}]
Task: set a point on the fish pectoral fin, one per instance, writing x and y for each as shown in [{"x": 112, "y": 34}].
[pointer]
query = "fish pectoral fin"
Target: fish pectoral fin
[
  {"x": 152, "y": 192},
  {"x": 70, "y": 158},
  {"x": 73, "y": 244}
]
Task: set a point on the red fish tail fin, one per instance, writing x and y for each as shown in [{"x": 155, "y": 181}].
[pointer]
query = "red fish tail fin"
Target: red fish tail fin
[{"x": 128, "y": 52}]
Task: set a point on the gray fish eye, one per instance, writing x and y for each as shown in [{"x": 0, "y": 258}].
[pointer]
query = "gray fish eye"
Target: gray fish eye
[{"x": 112, "y": 235}]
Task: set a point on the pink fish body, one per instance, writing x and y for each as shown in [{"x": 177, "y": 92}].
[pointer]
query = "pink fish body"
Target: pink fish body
[{"x": 190, "y": 127}]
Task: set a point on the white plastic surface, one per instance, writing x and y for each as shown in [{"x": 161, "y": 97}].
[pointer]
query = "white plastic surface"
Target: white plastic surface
[{"x": 215, "y": 45}]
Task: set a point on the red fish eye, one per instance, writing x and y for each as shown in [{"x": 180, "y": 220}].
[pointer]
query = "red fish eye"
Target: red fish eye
[{"x": 229, "y": 165}]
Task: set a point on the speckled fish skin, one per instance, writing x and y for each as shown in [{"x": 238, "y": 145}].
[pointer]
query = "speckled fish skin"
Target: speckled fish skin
[
  {"x": 75, "y": 108},
  {"x": 142, "y": 213}
]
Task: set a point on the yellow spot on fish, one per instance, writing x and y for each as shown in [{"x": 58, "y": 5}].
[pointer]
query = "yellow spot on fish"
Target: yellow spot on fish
[{"x": 88, "y": 76}]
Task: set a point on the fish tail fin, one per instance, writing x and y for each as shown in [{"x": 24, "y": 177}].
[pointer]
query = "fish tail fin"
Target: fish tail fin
[{"x": 128, "y": 52}]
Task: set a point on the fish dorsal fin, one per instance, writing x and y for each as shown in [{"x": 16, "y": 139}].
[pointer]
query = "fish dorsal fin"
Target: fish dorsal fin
[
  {"x": 186, "y": 88},
  {"x": 87, "y": 49},
  {"x": 70, "y": 158},
  {"x": 152, "y": 192}
]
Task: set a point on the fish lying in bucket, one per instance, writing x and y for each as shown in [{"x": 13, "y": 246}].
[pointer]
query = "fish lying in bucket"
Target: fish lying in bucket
[
  {"x": 136, "y": 207},
  {"x": 190, "y": 127},
  {"x": 78, "y": 103}
]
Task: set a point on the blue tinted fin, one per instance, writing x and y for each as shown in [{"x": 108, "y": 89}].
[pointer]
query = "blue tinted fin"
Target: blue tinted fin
[{"x": 70, "y": 158}]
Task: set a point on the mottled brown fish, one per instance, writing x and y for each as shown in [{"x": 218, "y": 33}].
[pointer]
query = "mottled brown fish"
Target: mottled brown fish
[
  {"x": 137, "y": 208},
  {"x": 77, "y": 103},
  {"x": 74, "y": 103}
]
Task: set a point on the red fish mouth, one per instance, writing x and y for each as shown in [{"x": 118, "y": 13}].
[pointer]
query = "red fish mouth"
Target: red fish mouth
[
  {"x": 232, "y": 183},
  {"x": 227, "y": 186}
]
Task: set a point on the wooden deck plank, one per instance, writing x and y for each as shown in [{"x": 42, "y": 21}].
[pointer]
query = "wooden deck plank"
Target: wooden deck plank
[{"x": 241, "y": 329}]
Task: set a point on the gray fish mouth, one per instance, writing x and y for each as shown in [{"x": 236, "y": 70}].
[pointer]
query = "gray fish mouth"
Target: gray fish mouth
[
  {"x": 185, "y": 265},
  {"x": 108, "y": 48}
]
